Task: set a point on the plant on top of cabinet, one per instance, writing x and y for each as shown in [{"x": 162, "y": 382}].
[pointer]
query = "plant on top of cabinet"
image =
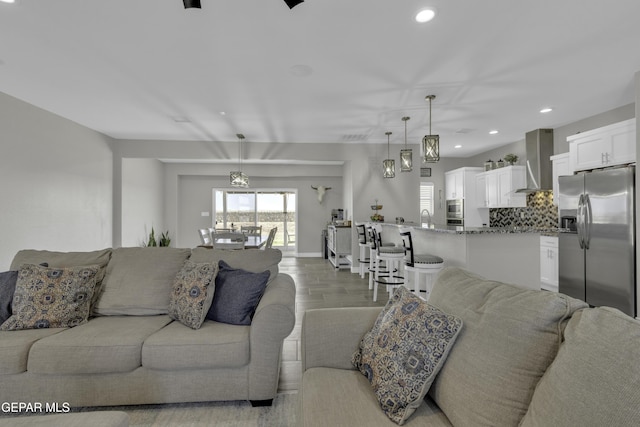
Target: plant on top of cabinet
[{"x": 511, "y": 159}]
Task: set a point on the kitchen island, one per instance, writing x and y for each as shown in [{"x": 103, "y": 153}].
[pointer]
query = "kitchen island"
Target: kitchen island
[{"x": 506, "y": 254}]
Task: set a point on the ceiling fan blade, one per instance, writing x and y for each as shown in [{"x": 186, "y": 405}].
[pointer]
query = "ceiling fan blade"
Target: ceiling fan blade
[
  {"x": 188, "y": 4},
  {"x": 293, "y": 3}
]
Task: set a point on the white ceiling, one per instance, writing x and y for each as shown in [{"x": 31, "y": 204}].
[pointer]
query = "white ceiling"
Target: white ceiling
[{"x": 326, "y": 71}]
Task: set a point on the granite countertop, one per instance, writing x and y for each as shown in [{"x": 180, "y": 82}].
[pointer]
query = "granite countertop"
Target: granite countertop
[{"x": 546, "y": 231}]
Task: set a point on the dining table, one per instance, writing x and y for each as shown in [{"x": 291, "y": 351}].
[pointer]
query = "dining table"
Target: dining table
[{"x": 251, "y": 241}]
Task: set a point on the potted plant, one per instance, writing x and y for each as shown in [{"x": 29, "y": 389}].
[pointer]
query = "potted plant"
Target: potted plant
[
  {"x": 163, "y": 241},
  {"x": 511, "y": 159}
]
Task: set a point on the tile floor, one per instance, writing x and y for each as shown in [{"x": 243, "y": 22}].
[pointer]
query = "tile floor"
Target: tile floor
[{"x": 319, "y": 285}]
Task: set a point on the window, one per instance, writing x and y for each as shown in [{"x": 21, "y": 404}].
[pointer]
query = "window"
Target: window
[
  {"x": 426, "y": 199},
  {"x": 233, "y": 209}
]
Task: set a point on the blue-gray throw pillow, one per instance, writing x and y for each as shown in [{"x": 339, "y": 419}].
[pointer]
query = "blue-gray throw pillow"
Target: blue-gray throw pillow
[
  {"x": 8, "y": 281},
  {"x": 7, "y": 288},
  {"x": 237, "y": 295}
]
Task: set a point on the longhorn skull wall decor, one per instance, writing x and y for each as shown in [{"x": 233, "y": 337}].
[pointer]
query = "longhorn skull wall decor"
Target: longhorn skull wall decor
[{"x": 321, "y": 190}]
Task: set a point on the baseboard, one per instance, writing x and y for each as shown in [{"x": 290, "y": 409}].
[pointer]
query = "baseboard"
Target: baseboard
[{"x": 309, "y": 255}]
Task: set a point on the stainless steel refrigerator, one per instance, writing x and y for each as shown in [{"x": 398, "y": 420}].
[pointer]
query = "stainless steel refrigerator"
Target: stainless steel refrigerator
[{"x": 597, "y": 256}]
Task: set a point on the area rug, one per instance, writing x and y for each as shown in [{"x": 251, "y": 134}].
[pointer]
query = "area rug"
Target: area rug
[{"x": 220, "y": 414}]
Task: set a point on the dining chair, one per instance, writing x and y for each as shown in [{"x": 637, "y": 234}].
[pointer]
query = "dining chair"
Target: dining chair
[
  {"x": 205, "y": 236},
  {"x": 272, "y": 236},
  {"x": 228, "y": 241},
  {"x": 254, "y": 230}
]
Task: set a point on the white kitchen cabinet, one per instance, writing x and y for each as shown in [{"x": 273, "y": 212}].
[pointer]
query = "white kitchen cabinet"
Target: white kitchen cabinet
[
  {"x": 454, "y": 184},
  {"x": 339, "y": 246},
  {"x": 549, "y": 263},
  {"x": 606, "y": 146},
  {"x": 481, "y": 190},
  {"x": 561, "y": 166},
  {"x": 461, "y": 184},
  {"x": 500, "y": 187}
]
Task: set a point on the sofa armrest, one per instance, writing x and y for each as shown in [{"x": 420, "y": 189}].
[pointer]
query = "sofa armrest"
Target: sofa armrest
[
  {"x": 272, "y": 322},
  {"x": 331, "y": 336}
]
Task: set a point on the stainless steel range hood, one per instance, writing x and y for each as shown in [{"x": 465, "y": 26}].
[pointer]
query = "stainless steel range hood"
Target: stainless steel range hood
[{"x": 539, "y": 148}]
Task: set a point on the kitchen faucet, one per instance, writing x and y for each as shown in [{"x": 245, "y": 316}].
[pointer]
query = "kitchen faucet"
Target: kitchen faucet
[{"x": 428, "y": 215}]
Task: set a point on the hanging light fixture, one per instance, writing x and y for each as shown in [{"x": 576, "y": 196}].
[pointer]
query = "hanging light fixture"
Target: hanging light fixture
[
  {"x": 389, "y": 165},
  {"x": 431, "y": 143},
  {"x": 406, "y": 154},
  {"x": 238, "y": 178}
]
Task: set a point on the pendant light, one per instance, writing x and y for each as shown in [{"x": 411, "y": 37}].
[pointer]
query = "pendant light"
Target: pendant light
[
  {"x": 238, "y": 178},
  {"x": 406, "y": 154},
  {"x": 389, "y": 165},
  {"x": 431, "y": 143}
]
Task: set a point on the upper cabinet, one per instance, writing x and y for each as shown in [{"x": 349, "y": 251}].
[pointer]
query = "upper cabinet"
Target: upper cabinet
[
  {"x": 606, "y": 146},
  {"x": 454, "y": 184},
  {"x": 461, "y": 184},
  {"x": 500, "y": 187},
  {"x": 561, "y": 166}
]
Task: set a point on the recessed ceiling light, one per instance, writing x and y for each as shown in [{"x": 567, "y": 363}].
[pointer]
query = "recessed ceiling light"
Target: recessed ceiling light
[
  {"x": 425, "y": 15},
  {"x": 458, "y": 146},
  {"x": 493, "y": 132},
  {"x": 546, "y": 110},
  {"x": 7, "y": 1}
]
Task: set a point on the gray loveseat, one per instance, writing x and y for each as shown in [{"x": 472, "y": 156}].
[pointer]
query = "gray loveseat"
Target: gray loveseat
[
  {"x": 132, "y": 353},
  {"x": 523, "y": 357}
]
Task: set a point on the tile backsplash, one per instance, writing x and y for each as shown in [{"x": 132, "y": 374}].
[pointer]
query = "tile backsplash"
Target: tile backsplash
[{"x": 540, "y": 212}]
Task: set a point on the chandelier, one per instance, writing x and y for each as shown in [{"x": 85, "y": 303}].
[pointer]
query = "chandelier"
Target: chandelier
[
  {"x": 388, "y": 165},
  {"x": 239, "y": 178},
  {"x": 431, "y": 143},
  {"x": 406, "y": 154}
]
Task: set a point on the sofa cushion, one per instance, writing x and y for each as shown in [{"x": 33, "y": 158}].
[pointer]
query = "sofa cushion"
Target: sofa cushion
[
  {"x": 61, "y": 259},
  {"x": 595, "y": 379},
  {"x": 102, "y": 345},
  {"x": 252, "y": 260},
  {"x": 51, "y": 297},
  {"x": 404, "y": 351},
  {"x": 15, "y": 346},
  {"x": 139, "y": 281},
  {"x": 237, "y": 295},
  {"x": 214, "y": 345},
  {"x": 510, "y": 336},
  {"x": 192, "y": 293},
  {"x": 339, "y": 397}
]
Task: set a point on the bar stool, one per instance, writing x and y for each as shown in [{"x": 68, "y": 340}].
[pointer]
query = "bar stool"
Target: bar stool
[
  {"x": 426, "y": 265},
  {"x": 393, "y": 259},
  {"x": 364, "y": 259},
  {"x": 373, "y": 252}
]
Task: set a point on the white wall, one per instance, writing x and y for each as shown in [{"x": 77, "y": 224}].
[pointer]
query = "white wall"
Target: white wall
[
  {"x": 142, "y": 200},
  {"x": 55, "y": 182},
  {"x": 190, "y": 186}
]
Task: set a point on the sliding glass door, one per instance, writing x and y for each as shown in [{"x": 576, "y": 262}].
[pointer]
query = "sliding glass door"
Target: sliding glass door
[{"x": 273, "y": 208}]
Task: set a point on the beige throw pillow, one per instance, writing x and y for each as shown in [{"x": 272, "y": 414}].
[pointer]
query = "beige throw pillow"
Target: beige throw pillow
[
  {"x": 404, "y": 351},
  {"x": 49, "y": 297},
  {"x": 192, "y": 293}
]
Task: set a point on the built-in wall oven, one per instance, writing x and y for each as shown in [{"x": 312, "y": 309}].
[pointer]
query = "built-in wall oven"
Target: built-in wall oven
[{"x": 455, "y": 212}]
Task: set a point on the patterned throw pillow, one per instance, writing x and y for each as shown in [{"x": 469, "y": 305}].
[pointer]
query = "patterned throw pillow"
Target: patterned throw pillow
[
  {"x": 404, "y": 351},
  {"x": 192, "y": 293},
  {"x": 51, "y": 297}
]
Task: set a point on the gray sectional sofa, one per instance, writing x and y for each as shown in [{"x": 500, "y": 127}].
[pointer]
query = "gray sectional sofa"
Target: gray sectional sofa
[
  {"x": 522, "y": 358},
  {"x": 133, "y": 353}
]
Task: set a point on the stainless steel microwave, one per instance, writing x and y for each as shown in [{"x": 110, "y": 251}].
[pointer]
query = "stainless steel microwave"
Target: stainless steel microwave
[{"x": 455, "y": 209}]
